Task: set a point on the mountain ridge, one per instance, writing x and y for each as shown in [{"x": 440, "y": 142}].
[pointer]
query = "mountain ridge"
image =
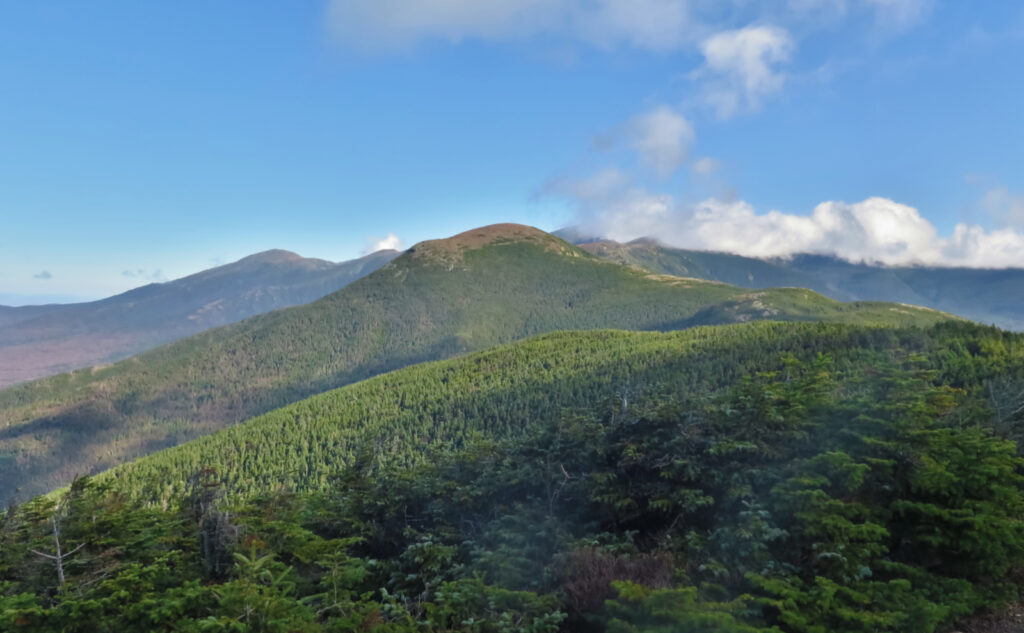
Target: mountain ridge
[
  {"x": 987, "y": 295},
  {"x": 43, "y": 340},
  {"x": 308, "y": 441},
  {"x": 413, "y": 309}
]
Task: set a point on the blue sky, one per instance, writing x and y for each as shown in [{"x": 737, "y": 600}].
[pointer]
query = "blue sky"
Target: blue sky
[{"x": 146, "y": 141}]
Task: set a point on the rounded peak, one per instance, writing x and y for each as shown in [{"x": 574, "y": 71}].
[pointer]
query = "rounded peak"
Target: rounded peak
[
  {"x": 645, "y": 241},
  {"x": 450, "y": 249},
  {"x": 491, "y": 233},
  {"x": 273, "y": 256}
]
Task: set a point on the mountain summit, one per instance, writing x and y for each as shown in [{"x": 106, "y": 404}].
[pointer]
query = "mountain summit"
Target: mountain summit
[
  {"x": 38, "y": 341},
  {"x": 439, "y": 299},
  {"x": 280, "y": 256},
  {"x": 450, "y": 250}
]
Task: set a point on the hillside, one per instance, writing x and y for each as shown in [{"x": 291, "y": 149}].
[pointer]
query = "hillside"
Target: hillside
[
  {"x": 439, "y": 299},
  {"x": 994, "y": 296},
  {"x": 502, "y": 391},
  {"x": 10, "y": 315},
  {"x": 757, "y": 478},
  {"x": 38, "y": 341}
]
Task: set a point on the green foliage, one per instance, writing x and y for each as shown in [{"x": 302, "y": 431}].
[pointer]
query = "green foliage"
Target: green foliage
[
  {"x": 768, "y": 478},
  {"x": 470, "y": 605},
  {"x": 426, "y": 305},
  {"x": 498, "y": 393},
  {"x": 642, "y": 610}
]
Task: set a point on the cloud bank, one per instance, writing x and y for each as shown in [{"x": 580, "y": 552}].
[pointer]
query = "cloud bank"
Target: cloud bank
[{"x": 876, "y": 230}]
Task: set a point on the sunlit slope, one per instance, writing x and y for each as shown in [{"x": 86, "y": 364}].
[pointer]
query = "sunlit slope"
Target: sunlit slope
[
  {"x": 497, "y": 393},
  {"x": 439, "y": 299}
]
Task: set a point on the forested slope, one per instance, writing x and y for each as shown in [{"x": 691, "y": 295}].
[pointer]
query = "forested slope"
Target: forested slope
[
  {"x": 440, "y": 299},
  {"x": 760, "y": 478},
  {"x": 502, "y": 391}
]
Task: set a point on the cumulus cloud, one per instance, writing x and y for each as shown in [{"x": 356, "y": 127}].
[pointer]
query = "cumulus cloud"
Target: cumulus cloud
[
  {"x": 390, "y": 243},
  {"x": 43, "y": 274},
  {"x": 661, "y": 139},
  {"x": 876, "y": 230},
  {"x": 388, "y": 25},
  {"x": 741, "y": 67}
]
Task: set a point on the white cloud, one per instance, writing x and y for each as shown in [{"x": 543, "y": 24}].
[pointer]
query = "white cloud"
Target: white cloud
[
  {"x": 390, "y": 243},
  {"x": 706, "y": 166},
  {"x": 875, "y": 230},
  {"x": 661, "y": 139},
  {"x": 609, "y": 205},
  {"x": 973, "y": 246},
  {"x": 384, "y": 25},
  {"x": 740, "y": 67},
  {"x": 658, "y": 25}
]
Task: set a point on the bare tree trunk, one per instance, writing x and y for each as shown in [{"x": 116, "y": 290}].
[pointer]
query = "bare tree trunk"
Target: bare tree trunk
[{"x": 60, "y": 556}]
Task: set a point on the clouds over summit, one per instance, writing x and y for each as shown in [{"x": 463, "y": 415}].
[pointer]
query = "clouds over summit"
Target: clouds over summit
[
  {"x": 389, "y": 243},
  {"x": 875, "y": 230},
  {"x": 734, "y": 57}
]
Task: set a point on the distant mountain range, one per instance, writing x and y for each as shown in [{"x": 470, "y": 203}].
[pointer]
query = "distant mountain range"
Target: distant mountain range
[
  {"x": 990, "y": 296},
  {"x": 38, "y": 341},
  {"x": 439, "y": 299}
]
